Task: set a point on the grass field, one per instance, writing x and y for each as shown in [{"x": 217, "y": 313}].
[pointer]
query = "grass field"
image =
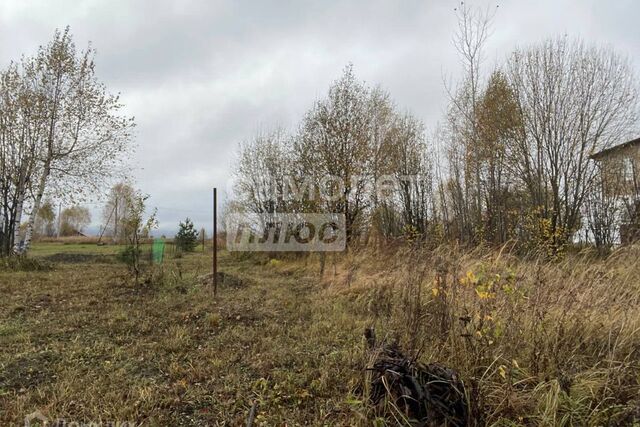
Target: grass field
[
  {"x": 536, "y": 343},
  {"x": 82, "y": 343},
  {"x": 40, "y": 250}
]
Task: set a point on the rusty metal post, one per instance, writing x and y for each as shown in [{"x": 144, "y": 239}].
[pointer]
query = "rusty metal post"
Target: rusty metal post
[{"x": 215, "y": 241}]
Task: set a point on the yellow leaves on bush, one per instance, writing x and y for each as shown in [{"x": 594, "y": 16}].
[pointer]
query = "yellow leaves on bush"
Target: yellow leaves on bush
[
  {"x": 437, "y": 290},
  {"x": 411, "y": 233},
  {"x": 483, "y": 286},
  {"x": 543, "y": 233},
  {"x": 510, "y": 371},
  {"x": 486, "y": 286},
  {"x": 484, "y": 292},
  {"x": 469, "y": 279}
]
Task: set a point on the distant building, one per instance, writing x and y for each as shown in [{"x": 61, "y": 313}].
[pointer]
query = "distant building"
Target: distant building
[{"x": 620, "y": 169}]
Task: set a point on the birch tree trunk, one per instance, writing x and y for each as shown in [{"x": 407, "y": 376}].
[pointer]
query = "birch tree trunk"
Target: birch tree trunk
[
  {"x": 20, "y": 195},
  {"x": 18, "y": 218},
  {"x": 36, "y": 207}
]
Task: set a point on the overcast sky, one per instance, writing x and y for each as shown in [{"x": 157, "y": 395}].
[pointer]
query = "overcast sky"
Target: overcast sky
[{"x": 202, "y": 76}]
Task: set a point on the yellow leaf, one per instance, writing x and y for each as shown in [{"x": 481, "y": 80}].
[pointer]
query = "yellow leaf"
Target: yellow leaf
[
  {"x": 502, "y": 371},
  {"x": 471, "y": 278}
]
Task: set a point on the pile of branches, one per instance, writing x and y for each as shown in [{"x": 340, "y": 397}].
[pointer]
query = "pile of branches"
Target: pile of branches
[{"x": 424, "y": 395}]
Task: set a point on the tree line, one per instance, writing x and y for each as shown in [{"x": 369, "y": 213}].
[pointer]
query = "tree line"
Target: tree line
[
  {"x": 510, "y": 160},
  {"x": 70, "y": 221}
]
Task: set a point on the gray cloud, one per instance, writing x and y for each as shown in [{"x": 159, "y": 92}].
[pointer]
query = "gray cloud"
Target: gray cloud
[{"x": 201, "y": 76}]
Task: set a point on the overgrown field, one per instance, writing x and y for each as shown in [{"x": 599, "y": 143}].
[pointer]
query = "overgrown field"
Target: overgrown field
[{"x": 535, "y": 342}]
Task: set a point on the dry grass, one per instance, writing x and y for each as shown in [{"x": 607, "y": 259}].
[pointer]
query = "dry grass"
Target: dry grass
[
  {"x": 82, "y": 343},
  {"x": 536, "y": 342},
  {"x": 66, "y": 240}
]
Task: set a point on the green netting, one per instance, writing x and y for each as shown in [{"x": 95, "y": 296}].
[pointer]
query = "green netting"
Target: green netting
[{"x": 157, "y": 251}]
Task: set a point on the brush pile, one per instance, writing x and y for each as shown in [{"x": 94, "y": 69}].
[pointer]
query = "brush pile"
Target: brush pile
[{"x": 420, "y": 395}]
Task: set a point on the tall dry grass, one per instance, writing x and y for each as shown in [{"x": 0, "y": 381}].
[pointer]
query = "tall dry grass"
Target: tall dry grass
[
  {"x": 71, "y": 239},
  {"x": 537, "y": 342}
]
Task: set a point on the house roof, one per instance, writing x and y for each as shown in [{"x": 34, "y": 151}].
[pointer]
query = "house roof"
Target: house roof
[{"x": 611, "y": 150}]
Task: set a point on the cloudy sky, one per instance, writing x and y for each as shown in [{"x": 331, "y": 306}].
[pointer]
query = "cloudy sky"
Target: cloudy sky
[{"x": 202, "y": 76}]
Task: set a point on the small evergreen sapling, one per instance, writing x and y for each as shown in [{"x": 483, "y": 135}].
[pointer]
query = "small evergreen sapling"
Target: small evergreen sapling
[{"x": 187, "y": 237}]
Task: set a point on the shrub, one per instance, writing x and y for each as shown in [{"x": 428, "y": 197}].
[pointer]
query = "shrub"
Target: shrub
[
  {"x": 128, "y": 254},
  {"x": 187, "y": 237}
]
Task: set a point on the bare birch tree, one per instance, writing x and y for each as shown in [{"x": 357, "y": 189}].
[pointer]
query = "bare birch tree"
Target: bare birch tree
[
  {"x": 261, "y": 173},
  {"x": 77, "y": 129},
  {"x": 116, "y": 211},
  {"x": 465, "y": 184}
]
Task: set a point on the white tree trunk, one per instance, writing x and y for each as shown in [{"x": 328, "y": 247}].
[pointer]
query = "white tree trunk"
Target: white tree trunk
[
  {"x": 34, "y": 212},
  {"x": 18, "y": 219}
]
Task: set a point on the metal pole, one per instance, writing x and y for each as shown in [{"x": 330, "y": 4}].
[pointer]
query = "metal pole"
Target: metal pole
[
  {"x": 215, "y": 241},
  {"x": 115, "y": 222},
  {"x": 106, "y": 224}
]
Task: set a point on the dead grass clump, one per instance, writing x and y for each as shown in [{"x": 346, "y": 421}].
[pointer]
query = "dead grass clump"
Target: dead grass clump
[
  {"x": 79, "y": 258},
  {"x": 23, "y": 263}
]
